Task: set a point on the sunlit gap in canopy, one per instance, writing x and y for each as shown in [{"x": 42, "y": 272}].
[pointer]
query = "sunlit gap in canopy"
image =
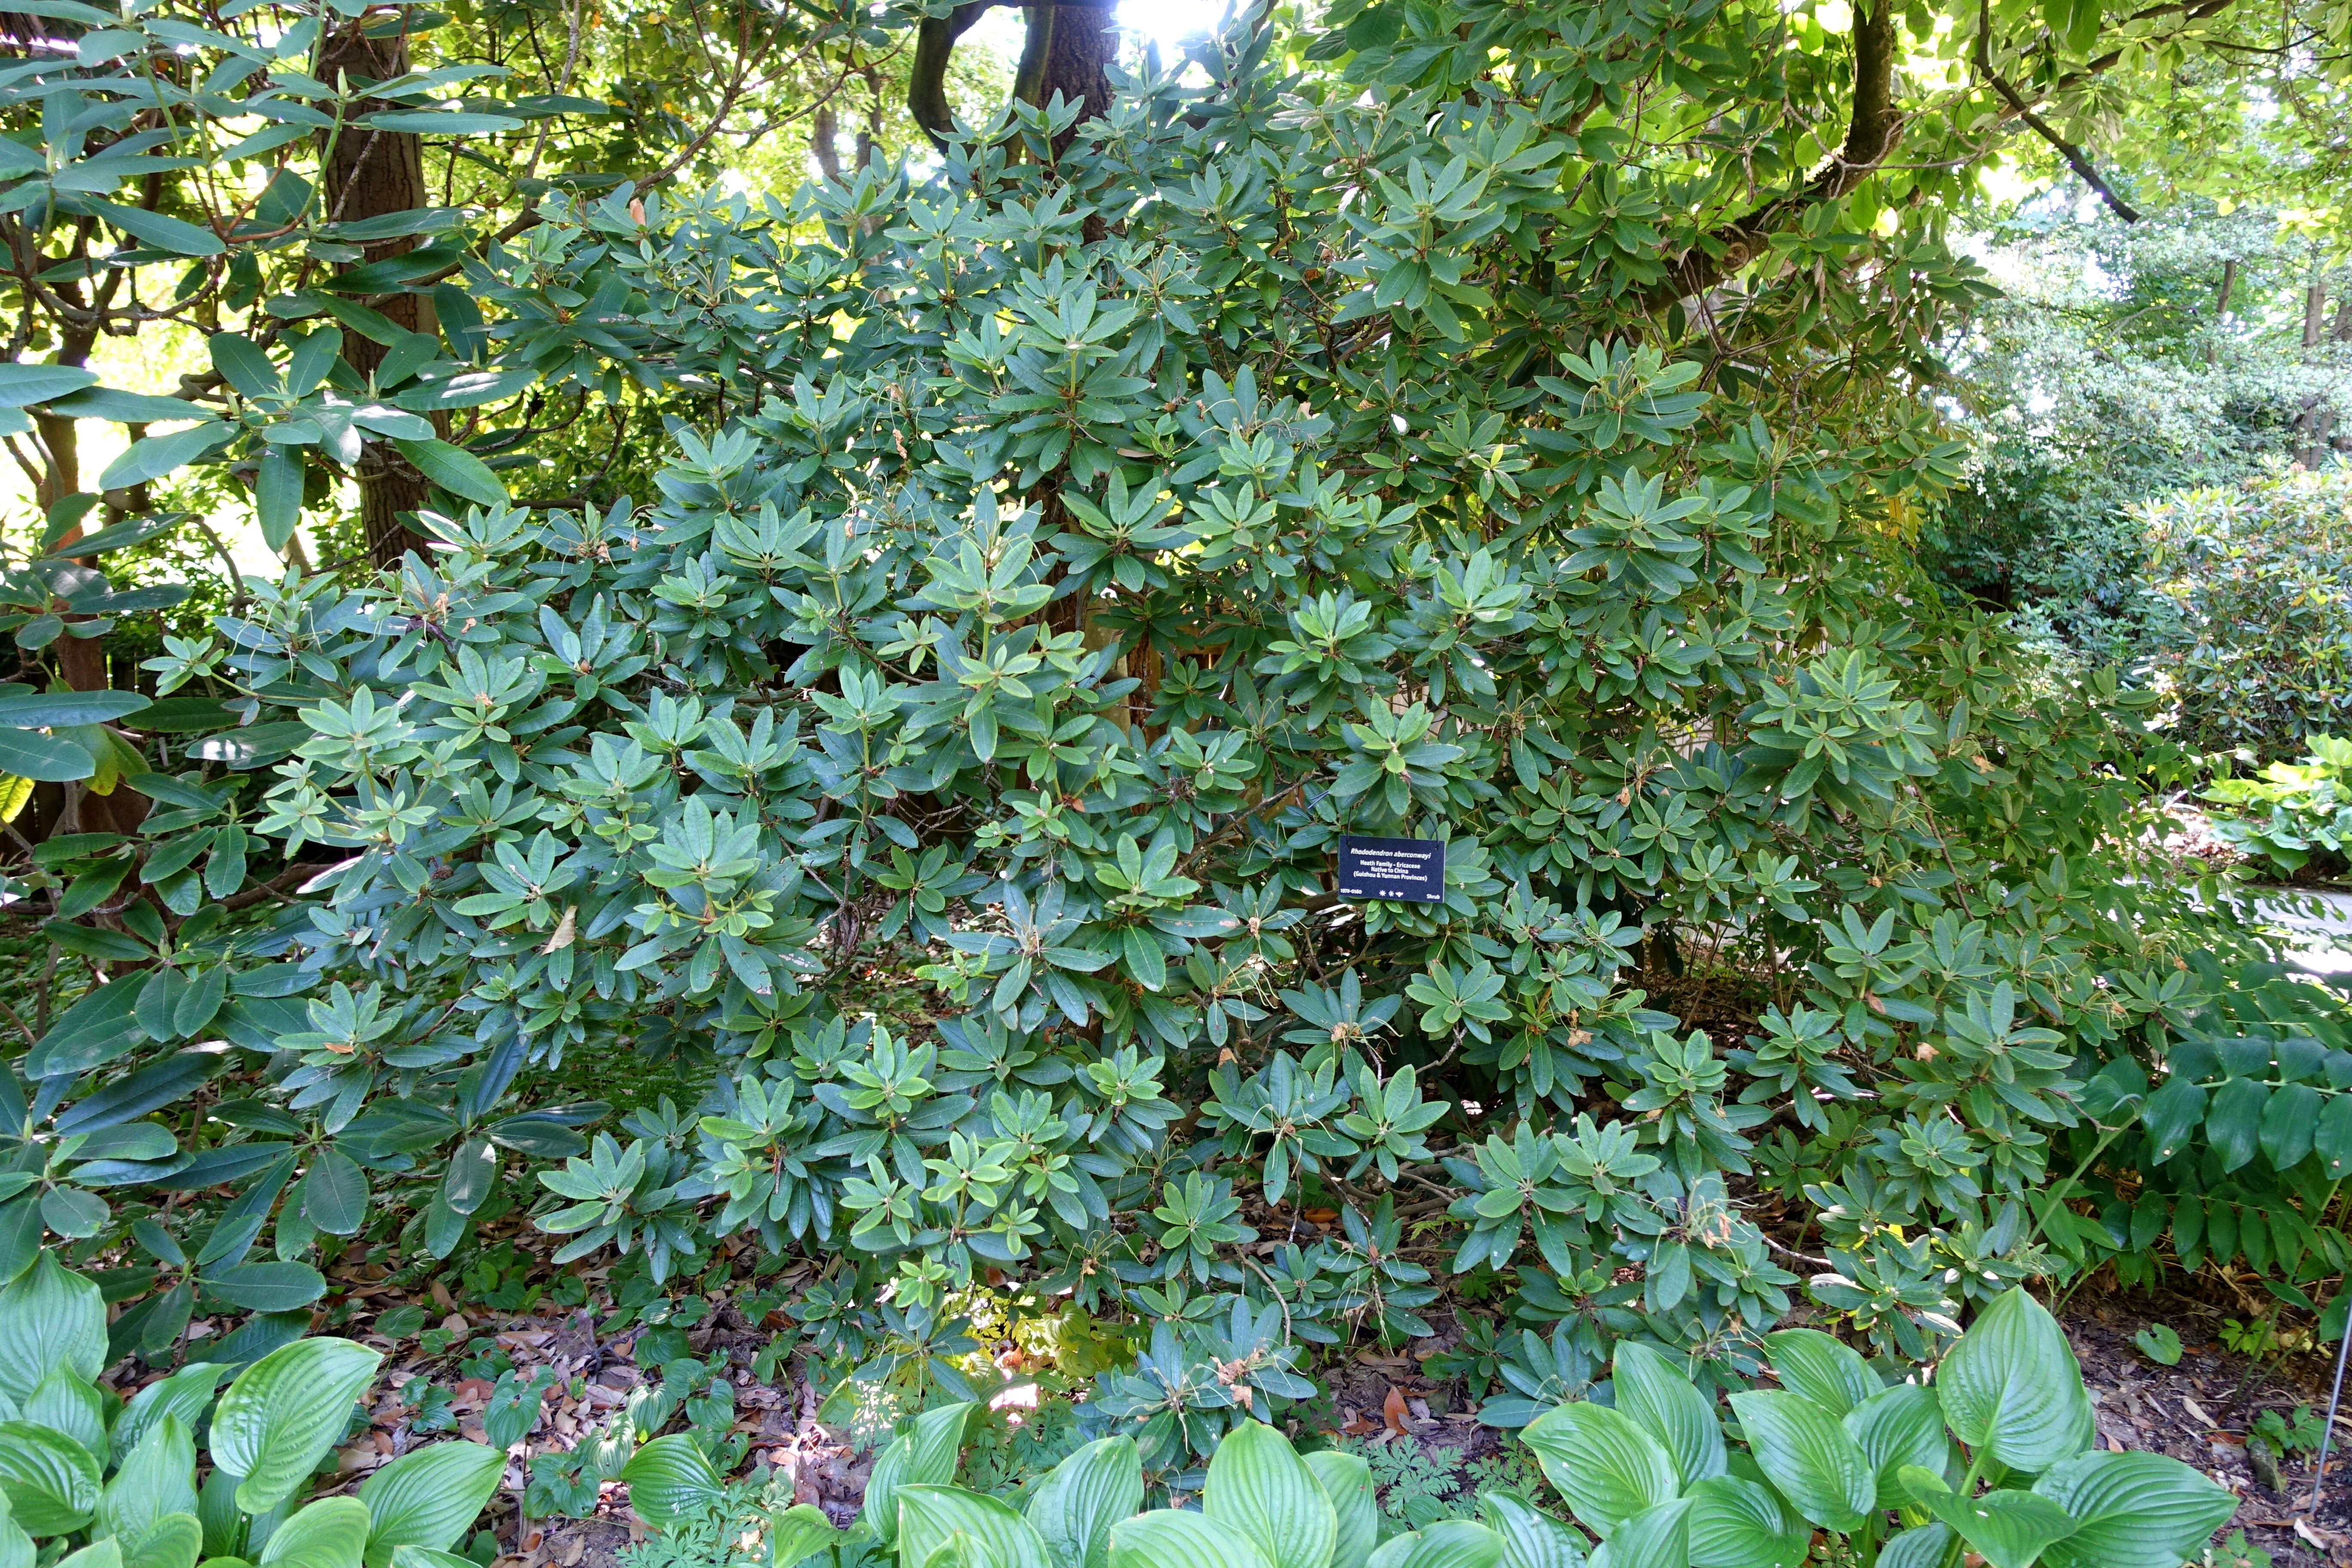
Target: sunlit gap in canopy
[{"x": 1167, "y": 23}]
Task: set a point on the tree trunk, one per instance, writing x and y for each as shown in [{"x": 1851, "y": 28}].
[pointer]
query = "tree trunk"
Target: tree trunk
[
  {"x": 370, "y": 173},
  {"x": 1064, "y": 51}
]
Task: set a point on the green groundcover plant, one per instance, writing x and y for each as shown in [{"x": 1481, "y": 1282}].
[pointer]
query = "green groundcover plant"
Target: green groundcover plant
[
  {"x": 91, "y": 1479},
  {"x": 1874, "y": 1473}
]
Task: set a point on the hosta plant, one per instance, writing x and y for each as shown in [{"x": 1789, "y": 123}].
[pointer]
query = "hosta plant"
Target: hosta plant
[
  {"x": 1995, "y": 1455},
  {"x": 1264, "y": 1505},
  {"x": 89, "y": 1478}
]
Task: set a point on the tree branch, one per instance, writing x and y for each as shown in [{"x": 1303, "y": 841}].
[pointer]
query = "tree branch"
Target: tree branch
[
  {"x": 1872, "y": 130},
  {"x": 2019, "y": 108}
]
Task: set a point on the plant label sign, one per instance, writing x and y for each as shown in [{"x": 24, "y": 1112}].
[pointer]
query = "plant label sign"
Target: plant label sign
[{"x": 1405, "y": 871}]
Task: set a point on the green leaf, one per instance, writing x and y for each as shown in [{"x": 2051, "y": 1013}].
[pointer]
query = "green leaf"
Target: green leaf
[
  {"x": 267, "y": 1286},
  {"x": 2160, "y": 1343},
  {"x": 157, "y": 1479},
  {"x": 929, "y": 1517},
  {"x": 1824, "y": 1369},
  {"x": 1346, "y": 1481},
  {"x": 1659, "y": 1396},
  {"x": 2233, "y": 1126},
  {"x": 669, "y": 1477},
  {"x": 183, "y": 1396},
  {"x": 1606, "y": 1466},
  {"x": 153, "y": 457},
  {"x": 284, "y": 1412},
  {"x": 21, "y": 384},
  {"x": 50, "y": 1480},
  {"x": 1179, "y": 1538},
  {"x": 794, "y": 1534},
  {"x": 1074, "y": 1507},
  {"x": 278, "y": 496},
  {"x": 433, "y": 122},
  {"x": 1803, "y": 1451},
  {"x": 1739, "y": 1524},
  {"x": 428, "y": 1497},
  {"x": 924, "y": 1454},
  {"x": 2008, "y": 1528},
  {"x": 42, "y": 710},
  {"x": 1258, "y": 1485},
  {"x": 2132, "y": 1510},
  {"x": 1925, "y": 1547},
  {"x": 1531, "y": 1538},
  {"x": 164, "y": 233},
  {"x": 1455, "y": 1543},
  {"x": 174, "y": 1541},
  {"x": 1655, "y": 1538},
  {"x": 28, "y": 754},
  {"x": 50, "y": 1318},
  {"x": 66, "y": 1403},
  {"x": 2011, "y": 1383},
  {"x": 329, "y": 1533},
  {"x": 454, "y": 470},
  {"x": 127, "y": 407},
  {"x": 1897, "y": 1426},
  {"x": 2172, "y": 1114},
  {"x": 333, "y": 1193}
]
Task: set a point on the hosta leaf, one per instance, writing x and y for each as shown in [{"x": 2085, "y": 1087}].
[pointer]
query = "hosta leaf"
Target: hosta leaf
[
  {"x": 329, "y": 1533},
  {"x": 2132, "y": 1510},
  {"x": 428, "y": 1497},
  {"x": 1606, "y": 1466},
  {"x": 2011, "y": 1384},
  {"x": 1074, "y": 1507},
  {"x": 50, "y": 1480},
  {"x": 1804, "y": 1452},
  {"x": 929, "y": 1517},
  {"x": 50, "y": 1318},
  {"x": 1179, "y": 1538},
  {"x": 284, "y": 1412},
  {"x": 1258, "y": 1485}
]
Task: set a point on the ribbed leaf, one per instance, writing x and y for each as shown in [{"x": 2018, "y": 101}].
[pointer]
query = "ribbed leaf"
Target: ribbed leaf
[
  {"x": 329, "y": 1533},
  {"x": 930, "y": 1517},
  {"x": 1897, "y": 1426},
  {"x": 1659, "y": 1396},
  {"x": 1531, "y": 1538},
  {"x": 1655, "y": 1538},
  {"x": 2006, "y": 1529},
  {"x": 1739, "y": 1524},
  {"x": 1605, "y": 1464},
  {"x": 1803, "y": 1451},
  {"x": 668, "y": 1476},
  {"x": 174, "y": 1541},
  {"x": 2011, "y": 1383},
  {"x": 1346, "y": 1481},
  {"x": 1081, "y": 1497},
  {"x": 2132, "y": 1510},
  {"x": 158, "y": 1477},
  {"x": 284, "y": 1412},
  {"x": 427, "y": 1497},
  {"x": 50, "y": 1318},
  {"x": 924, "y": 1454},
  {"x": 1455, "y": 1543},
  {"x": 1179, "y": 1538},
  {"x": 1824, "y": 1369},
  {"x": 794, "y": 1533},
  {"x": 50, "y": 1480},
  {"x": 1258, "y": 1485}
]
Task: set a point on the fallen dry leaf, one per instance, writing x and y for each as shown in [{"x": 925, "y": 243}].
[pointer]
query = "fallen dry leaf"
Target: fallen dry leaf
[{"x": 1392, "y": 1411}]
